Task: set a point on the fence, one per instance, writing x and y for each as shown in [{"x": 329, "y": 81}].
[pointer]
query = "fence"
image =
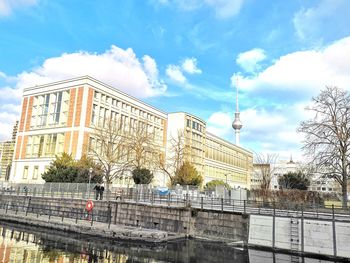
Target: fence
[
  {"x": 52, "y": 209},
  {"x": 178, "y": 196}
]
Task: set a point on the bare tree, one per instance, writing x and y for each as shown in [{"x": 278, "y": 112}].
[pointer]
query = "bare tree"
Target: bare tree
[
  {"x": 109, "y": 148},
  {"x": 265, "y": 165},
  {"x": 142, "y": 147},
  {"x": 327, "y": 135},
  {"x": 176, "y": 155}
]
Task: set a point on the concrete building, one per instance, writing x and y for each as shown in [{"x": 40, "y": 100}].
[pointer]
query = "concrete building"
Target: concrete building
[
  {"x": 59, "y": 117},
  {"x": 6, "y": 155}
]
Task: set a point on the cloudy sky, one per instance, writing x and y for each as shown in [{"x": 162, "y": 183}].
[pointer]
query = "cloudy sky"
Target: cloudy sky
[{"x": 185, "y": 55}]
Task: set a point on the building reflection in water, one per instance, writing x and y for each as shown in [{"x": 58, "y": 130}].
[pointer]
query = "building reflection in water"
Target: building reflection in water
[{"x": 29, "y": 244}]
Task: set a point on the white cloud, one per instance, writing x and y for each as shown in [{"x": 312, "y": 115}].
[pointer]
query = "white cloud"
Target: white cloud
[
  {"x": 225, "y": 8},
  {"x": 7, "y": 6},
  {"x": 219, "y": 123},
  {"x": 263, "y": 130},
  {"x": 7, "y": 120},
  {"x": 277, "y": 96},
  {"x": 117, "y": 67},
  {"x": 222, "y": 8},
  {"x": 304, "y": 73},
  {"x": 189, "y": 65},
  {"x": 329, "y": 19},
  {"x": 174, "y": 73},
  {"x": 249, "y": 60}
]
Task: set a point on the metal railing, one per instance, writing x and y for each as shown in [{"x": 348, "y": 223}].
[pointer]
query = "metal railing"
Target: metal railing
[
  {"x": 26, "y": 207},
  {"x": 177, "y": 197}
]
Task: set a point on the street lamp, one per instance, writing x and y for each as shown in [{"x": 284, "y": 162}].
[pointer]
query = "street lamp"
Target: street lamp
[{"x": 90, "y": 174}]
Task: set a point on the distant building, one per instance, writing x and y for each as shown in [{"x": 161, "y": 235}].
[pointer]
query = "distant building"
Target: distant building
[
  {"x": 59, "y": 117},
  {"x": 6, "y": 155},
  {"x": 283, "y": 167}
]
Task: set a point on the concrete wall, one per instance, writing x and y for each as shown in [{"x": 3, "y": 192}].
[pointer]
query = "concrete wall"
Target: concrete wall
[
  {"x": 189, "y": 221},
  {"x": 183, "y": 220},
  {"x": 318, "y": 235}
]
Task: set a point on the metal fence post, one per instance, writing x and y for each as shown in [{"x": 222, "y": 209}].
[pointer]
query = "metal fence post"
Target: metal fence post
[
  {"x": 50, "y": 211},
  {"x": 222, "y": 204},
  {"x": 109, "y": 215},
  {"x": 28, "y": 205},
  {"x": 334, "y": 233},
  {"x": 202, "y": 202},
  {"x": 244, "y": 204},
  {"x": 302, "y": 229},
  {"x": 273, "y": 228}
]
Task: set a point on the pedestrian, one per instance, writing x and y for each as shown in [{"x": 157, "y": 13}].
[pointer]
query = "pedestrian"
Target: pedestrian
[
  {"x": 97, "y": 189},
  {"x": 101, "y": 192},
  {"x": 25, "y": 188}
]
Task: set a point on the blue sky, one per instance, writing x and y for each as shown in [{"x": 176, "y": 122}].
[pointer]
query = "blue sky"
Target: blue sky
[{"x": 185, "y": 55}]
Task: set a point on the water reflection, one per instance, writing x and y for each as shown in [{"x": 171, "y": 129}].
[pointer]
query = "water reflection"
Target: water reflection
[{"x": 28, "y": 244}]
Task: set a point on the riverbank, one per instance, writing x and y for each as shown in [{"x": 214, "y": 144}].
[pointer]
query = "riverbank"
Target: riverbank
[{"x": 85, "y": 227}]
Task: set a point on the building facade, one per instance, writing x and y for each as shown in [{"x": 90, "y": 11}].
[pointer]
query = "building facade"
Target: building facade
[
  {"x": 6, "y": 155},
  {"x": 60, "y": 117}
]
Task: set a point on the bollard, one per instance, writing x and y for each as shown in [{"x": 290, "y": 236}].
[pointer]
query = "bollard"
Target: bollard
[
  {"x": 222, "y": 204},
  {"x": 244, "y": 204},
  {"x": 202, "y": 202}
]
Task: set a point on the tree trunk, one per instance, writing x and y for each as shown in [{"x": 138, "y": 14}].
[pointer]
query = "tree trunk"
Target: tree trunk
[
  {"x": 107, "y": 190},
  {"x": 344, "y": 191}
]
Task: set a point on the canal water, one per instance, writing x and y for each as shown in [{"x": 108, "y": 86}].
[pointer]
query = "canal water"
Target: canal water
[{"x": 30, "y": 244}]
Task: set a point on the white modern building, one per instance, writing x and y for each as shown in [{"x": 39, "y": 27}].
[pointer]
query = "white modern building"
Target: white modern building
[{"x": 59, "y": 117}]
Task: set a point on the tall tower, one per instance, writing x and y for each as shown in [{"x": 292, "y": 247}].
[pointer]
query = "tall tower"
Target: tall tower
[{"x": 237, "y": 124}]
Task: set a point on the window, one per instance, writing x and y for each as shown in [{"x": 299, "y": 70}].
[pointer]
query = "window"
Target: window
[
  {"x": 40, "y": 146},
  {"x": 25, "y": 172},
  {"x": 188, "y": 123},
  {"x": 51, "y": 144},
  {"x": 35, "y": 172},
  {"x": 94, "y": 113}
]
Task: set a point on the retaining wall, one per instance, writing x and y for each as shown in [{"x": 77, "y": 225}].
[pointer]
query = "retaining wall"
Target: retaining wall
[
  {"x": 184, "y": 220},
  {"x": 322, "y": 237}
]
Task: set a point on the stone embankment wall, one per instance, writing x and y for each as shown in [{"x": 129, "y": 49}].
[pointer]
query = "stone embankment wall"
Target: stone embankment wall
[
  {"x": 184, "y": 220},
  {"x": 322, "y": 237}
]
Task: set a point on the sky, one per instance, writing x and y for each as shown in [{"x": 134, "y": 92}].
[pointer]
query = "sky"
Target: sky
[{"x": 185, "y": 55}]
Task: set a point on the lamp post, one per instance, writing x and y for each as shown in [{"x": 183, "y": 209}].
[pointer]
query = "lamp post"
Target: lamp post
[
  {"x": 90, "y": 174},
  {"x": 226, "y": 177}
]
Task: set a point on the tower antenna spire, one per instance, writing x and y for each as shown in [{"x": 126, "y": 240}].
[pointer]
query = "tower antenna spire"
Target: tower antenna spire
[{"x": 237, "y": 124}]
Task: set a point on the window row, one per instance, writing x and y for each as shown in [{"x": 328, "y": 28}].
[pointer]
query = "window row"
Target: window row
[
  {"x": 47, "y": 145},
  {"x": 112, "y": 102},
  {"x": 219, "y": 155},
  {"x": 35, "y": 173},
  {"x": 50, "y": 110},
  {"x": 225, "y": 175},
  {"x": 195, "y": 125}
]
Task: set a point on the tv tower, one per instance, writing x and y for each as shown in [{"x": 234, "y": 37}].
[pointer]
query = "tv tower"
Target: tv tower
[{"x": 237, "y": 124}]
